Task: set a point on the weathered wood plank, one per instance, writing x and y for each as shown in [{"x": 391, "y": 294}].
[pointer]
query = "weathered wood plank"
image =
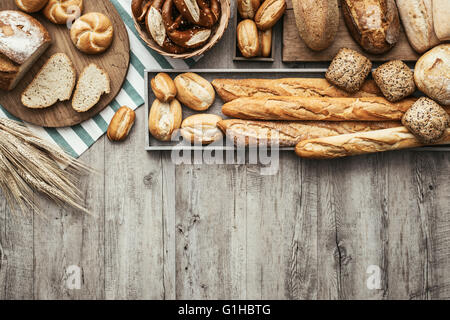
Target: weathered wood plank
[
  {"x": 70, "y": 243},
  {"x": 210, "y": 222},
  {"x": 134, "y": 242},
  {"x": 16, "y": 256}
]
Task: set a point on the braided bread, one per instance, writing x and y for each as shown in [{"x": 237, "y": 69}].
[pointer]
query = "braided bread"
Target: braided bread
[
  {"x": 61, "y": 11},
  {"x": 92, "y": 33},
  {"x": 31, "y": 5}
]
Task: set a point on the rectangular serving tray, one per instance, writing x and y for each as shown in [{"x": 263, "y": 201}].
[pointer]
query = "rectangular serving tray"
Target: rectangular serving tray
[{"x": 210, "y": 74}]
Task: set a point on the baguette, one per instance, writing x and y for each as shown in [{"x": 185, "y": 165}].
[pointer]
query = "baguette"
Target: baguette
[
  {"x": 334, "y": 109},
  {"x": 230, "y": 89},
  {"x": 360, "y": 143},
  {"x": 289, "y": 133}
]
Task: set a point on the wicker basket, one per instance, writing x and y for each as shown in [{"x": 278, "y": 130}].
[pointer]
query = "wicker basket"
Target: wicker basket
[{"x": 217, "y": 33}]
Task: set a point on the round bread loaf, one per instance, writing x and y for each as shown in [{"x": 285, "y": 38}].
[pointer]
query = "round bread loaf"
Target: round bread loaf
[
  {"x": 92, "y": 33},
  {"x": 31, "y": 6},
  {"x": 62, "y": 11},
  {"x": 427, "y": 120},
  {"x": 432, "y": 74}
]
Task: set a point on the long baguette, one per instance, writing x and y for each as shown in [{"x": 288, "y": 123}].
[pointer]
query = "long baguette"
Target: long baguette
[
  {"x": 360, "y": 143},
  {"x": 231, "y": 89},
  {"x": 289, "y": 133},
  {"x": 333, "y": 109}
]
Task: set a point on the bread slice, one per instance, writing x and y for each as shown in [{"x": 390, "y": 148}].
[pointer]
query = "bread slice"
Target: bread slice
[
  {"x": 93, "y": 82},
  {"x": 55, "y": 81}
]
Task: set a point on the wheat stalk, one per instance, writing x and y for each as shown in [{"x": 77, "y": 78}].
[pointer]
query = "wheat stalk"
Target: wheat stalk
[{"x": 29, "y": 164}]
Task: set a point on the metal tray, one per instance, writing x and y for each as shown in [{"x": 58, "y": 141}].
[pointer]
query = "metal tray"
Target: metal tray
[{"x": 210, "y": 74}]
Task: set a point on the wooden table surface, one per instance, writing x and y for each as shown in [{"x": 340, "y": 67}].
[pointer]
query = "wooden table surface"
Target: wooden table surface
[{"x": 317, "y": 229}]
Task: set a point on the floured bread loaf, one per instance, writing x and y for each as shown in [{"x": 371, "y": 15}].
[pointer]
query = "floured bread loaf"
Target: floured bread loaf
[
  {"x": 93, "y": 82},
  {"x": 54, "y": 82},
  {"x": 22, "y": 41}
]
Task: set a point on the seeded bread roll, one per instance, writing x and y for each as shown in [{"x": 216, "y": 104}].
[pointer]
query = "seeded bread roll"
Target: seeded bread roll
[
  {"x": 230, "y": 89},
  {"x": 348, "y": 70},
  {"x": 395, "y": 79},
  {"x": 289, "y": 133},
  {"x": 427, "y": 120},
  {"x": 333, "y": 109}
]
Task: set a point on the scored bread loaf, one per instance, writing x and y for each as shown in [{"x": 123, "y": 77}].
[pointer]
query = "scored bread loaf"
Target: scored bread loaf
[
  {"x": 93, "y": 83},
  {"x": 231, "y": 89},
  {"x": 360, "y": 143},
  {"x": 289, "y": 133},
  {"x": 334, "y": 109},
  {"x": 55, "y": 81}
]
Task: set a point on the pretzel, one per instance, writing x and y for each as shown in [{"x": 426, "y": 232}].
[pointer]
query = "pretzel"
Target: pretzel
[
  {"x": 189, "y": 38},
  {"x": 199, "y": 12},
  {"x": 139, "y": 9}
]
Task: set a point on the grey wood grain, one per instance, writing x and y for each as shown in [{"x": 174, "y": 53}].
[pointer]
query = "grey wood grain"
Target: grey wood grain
[{"x": 165, "y": 231}]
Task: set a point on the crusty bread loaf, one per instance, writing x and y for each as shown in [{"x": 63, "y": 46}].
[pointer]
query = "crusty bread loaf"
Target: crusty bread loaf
[
  {"x": 333, "y": 109},
  {"x": 417, "y": 19},
  {"x": 23, "y": 40},
  {"x": 317, "y": 22},
  {"x": 374, "y": 24},
  {"x": 360, "y": 143},
  {"x": 441, "y": 14},
  {"x": 92, "y": 33},
  {"x": 54, "y": 82},
  {"x": 230, "y": 89},
  {"x": 93, "y": 83},
  {"x": 289, "y": 133},
  {"x": 432, "y": 74}
]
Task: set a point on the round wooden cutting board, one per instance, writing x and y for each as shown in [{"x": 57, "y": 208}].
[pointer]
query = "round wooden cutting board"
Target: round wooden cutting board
[{"x": 115, "y": 61}]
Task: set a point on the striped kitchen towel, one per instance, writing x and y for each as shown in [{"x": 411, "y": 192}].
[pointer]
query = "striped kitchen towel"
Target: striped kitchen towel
[{"x": 77, "y": 139}]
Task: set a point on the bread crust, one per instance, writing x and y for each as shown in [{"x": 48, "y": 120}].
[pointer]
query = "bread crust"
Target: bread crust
[
  {"x": 333, "y": 109},
  {"x": 58, "y": 11},
  {"x": 360, "y": 143},
  {"x": 31, "y": 6},
  {"x": 432, "y": 74},
  {"x": 317, "y": 22},
  {"x": 231, "y": 89},
  {"x": 374, "y": 24},
  {"x": 441, "y": 14},
  {"x": 289, "y": 133},
  {"x": 92, "y": 33},
  {"x": 417, "y": 19}
]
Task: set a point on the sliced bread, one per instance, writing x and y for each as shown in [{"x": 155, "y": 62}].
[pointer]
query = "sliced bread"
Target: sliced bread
[
  {"x": 55, "y": 81},
  {"x": 93, "y": 82}
]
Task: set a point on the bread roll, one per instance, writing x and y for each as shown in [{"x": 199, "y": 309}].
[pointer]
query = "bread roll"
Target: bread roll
[
  {"x": 333, "y": 109},
  {"x": 374, "y": 24},
  {"x": 163, "y": 87},
  {"x": 194, "y": 91},
  {"x": 231, "y": 89},
  {"x": 441, "y": 16},
  {"x": 31, "y": 6},
  {"x": 432, "y": 74},
  {"x": 289, "y": 133},
  {"x": 92, "y": 33},
  {"x": 360, "y": 143},
  {"x": 265, "y": 43},
  {"x": 395, "y": 79},
  {"x": 417, "y": 19},
  {"x": 269, "y": 13},
  {"x": 317, "y": 22},
  {"x": 248, "y": 38},
  {"x": 247, "y": 8},
  {"x": 63, "y": 11},
  {"x": 164, "y": 119},
  {"x": 201, "y": 128}
]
